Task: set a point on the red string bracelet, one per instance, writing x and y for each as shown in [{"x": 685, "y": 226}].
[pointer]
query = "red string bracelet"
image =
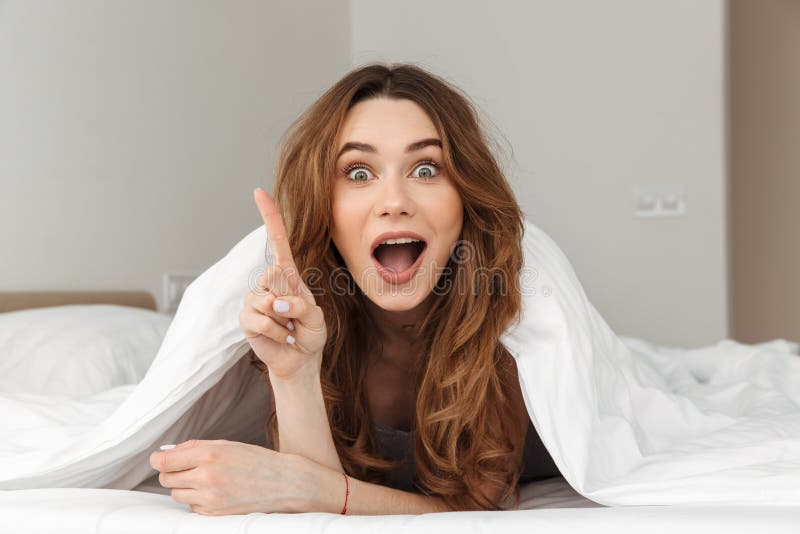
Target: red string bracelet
[{"x": 346, "y": 494}]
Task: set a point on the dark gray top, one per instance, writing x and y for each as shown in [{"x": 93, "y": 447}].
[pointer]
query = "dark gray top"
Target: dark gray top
[{"x": 398, "y": 444}]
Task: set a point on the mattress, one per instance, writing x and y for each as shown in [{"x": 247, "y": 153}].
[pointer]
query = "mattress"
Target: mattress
[{"x": 548, "y": 507}]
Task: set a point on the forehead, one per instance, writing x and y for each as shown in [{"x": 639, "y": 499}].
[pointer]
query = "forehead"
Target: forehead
[{"x": 388, "y": 124}]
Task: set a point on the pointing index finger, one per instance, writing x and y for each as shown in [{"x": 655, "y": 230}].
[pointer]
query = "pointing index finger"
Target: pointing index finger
[{"x": 276, "y": 231}]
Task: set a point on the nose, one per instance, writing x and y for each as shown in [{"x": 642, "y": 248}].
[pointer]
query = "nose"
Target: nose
[{"x": 394, "y": 197}]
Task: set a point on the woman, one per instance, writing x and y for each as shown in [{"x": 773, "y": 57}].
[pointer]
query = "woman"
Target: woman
[
  {"x": 417, "y": 350},
  {"x": 384, "y": 361}
]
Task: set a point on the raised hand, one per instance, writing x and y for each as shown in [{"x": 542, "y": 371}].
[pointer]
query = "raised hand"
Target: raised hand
[{"x": 280, "y": 318}]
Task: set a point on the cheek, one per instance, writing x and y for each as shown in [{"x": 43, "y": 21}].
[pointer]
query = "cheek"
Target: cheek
[
  {"x": 455, "y": 211},
  {"x": 444, "y": 211},
  {"x": 347, "y": 205},
  {"x": 448, "y": 208},
  {"x": 348, "y": 224}
]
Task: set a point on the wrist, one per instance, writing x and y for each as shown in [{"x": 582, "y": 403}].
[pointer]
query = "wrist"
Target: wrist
[
  {"x": 324, "y": 488},
  {"x": 303, "y": 377}
]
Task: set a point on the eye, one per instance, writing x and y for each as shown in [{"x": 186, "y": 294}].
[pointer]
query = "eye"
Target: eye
[
  {"x": 428, "y": 173},
  {"x": 360, "y": 168}
]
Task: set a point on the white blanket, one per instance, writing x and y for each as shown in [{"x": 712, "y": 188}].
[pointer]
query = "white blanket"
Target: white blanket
[{"x": 627, "y": 422}]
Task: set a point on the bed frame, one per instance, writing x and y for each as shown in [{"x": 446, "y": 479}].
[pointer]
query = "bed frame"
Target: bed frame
[{"x": 20, "y": 300}]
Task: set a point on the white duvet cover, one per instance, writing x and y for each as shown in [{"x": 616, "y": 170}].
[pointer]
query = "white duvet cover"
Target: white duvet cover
[{"x": 627, "y": 422}]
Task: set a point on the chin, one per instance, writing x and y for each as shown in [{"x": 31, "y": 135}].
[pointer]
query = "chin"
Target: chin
[{"x": 398, "y": 298}]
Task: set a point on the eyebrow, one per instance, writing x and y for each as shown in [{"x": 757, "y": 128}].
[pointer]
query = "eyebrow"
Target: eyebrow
[{"x": 364, "y": 147}]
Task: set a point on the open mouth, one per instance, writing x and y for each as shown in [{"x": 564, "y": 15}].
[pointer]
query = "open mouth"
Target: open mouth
[
  {"x": 399, "y": 257},
  {"x": 398, "y": 264}
]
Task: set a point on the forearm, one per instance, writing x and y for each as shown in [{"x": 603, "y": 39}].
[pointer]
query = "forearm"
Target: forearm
[
  {"x": 368, "y": 499},
  {"x": 303, "y": 426}
]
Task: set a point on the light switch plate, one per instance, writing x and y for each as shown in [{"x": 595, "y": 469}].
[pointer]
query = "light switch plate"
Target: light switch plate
[{"x": 173, "y": 287}]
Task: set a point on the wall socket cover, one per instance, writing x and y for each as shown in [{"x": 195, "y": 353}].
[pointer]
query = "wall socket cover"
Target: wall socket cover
[
  {"x": 659, "y": 200},
  {"x": 173, "y": 287}
]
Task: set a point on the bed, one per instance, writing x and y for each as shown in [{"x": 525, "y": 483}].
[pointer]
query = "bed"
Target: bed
[{"x": 548, "y": 506}]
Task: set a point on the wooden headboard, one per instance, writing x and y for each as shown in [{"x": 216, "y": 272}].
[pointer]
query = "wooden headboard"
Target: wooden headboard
[{"x": 20, "y": 300}]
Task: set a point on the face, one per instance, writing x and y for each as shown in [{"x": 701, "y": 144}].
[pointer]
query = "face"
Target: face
[{"x": 393, "y": 185}]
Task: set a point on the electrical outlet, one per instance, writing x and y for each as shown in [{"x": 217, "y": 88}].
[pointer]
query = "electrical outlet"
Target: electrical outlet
[
  {"x": 667, "y": 200},
  {"x": 173, "y": 287}
]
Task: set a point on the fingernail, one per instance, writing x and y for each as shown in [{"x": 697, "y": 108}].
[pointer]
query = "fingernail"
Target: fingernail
[
  {"x": 290, "y": 339},
  {"x": 280, "y": 306},
  {"x": 256, "y": 189},
  {"x": 290, "y": 325},
  {"x": 165, "y": 447}
]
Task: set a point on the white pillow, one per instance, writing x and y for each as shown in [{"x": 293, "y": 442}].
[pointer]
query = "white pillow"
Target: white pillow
[{"x": 77, "y": 350}]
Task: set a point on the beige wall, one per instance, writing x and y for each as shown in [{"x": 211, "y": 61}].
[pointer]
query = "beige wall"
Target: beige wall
[{"x": 764, "y": 156}]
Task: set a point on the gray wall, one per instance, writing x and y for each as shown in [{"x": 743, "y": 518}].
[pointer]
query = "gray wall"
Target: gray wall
[
  {"x": 595, "y": 98},
  {"x": 133, "y": 133}
]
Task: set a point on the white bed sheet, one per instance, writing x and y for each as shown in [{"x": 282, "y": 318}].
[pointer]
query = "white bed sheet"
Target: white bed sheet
[{"x": 550, "y": 506}]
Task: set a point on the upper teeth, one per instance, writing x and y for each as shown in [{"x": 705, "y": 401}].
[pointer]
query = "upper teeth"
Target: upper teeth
[{"x": 399, "y": 241}]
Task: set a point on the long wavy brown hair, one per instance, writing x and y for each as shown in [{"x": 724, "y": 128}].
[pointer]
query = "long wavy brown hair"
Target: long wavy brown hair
[{"x": 464, "y": 448}]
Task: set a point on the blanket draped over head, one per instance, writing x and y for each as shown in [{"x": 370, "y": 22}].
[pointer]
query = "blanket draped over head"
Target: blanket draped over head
[{"x": 626, "y": 422}]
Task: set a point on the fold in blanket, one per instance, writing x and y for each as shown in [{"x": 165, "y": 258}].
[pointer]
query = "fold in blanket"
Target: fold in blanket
[{"x": 627, "y": 422}]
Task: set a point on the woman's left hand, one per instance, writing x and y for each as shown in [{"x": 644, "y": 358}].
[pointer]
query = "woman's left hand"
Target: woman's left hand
[{"x": 220, "y": 477}]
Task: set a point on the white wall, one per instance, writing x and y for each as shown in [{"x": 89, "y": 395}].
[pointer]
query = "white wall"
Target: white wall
[
  {"x": 595, "y": 98},
  {"x": 133, "y": 133}
]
